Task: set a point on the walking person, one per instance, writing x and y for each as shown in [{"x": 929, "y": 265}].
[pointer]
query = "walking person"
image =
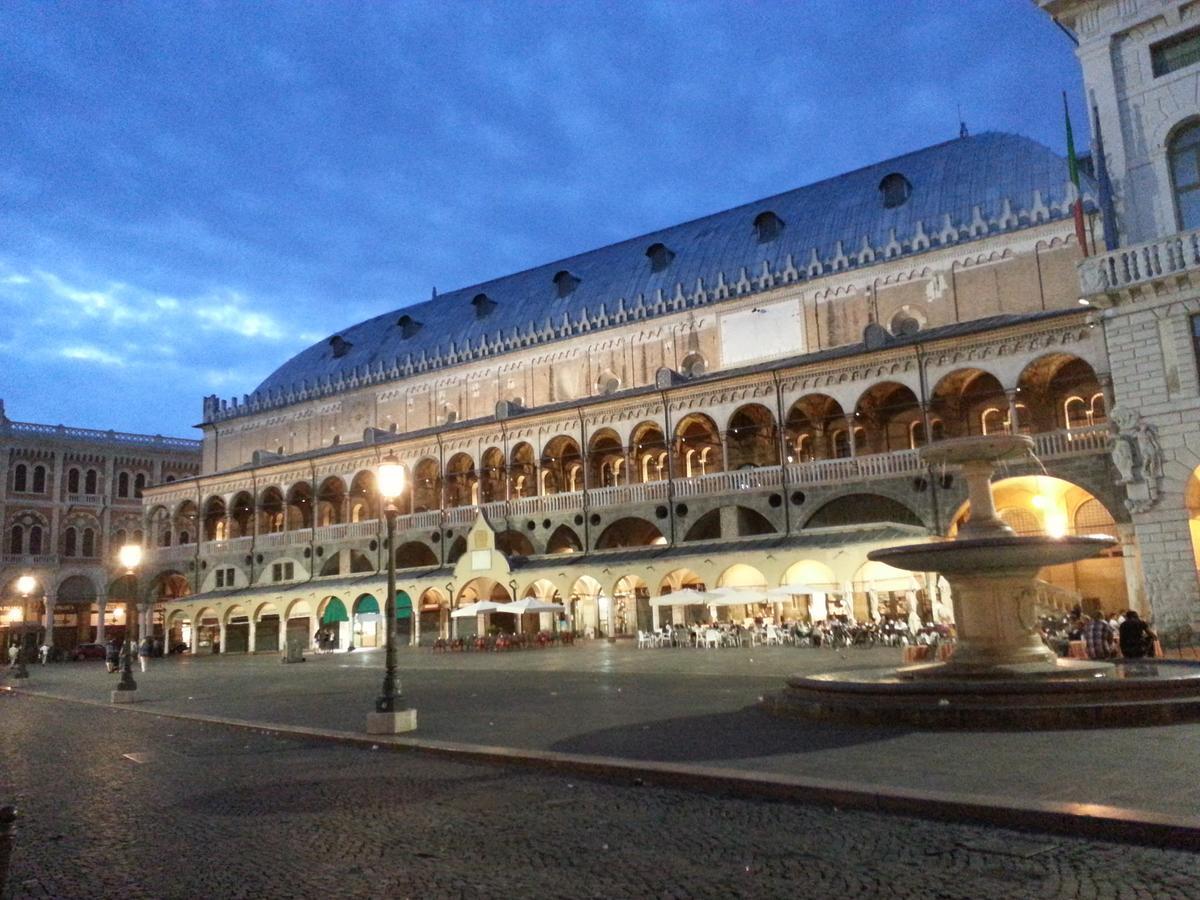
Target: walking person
[
  {"x": 144, "y": 649},
  {"x": 112, "y": 655},
  {"x": 44, "y": 653}
]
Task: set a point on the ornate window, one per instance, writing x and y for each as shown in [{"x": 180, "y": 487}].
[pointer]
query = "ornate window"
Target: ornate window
[
  {"x": 123, "y": 484},
  {"x": 565, "y": 283},
  {"x": 88, "y": 548},
  {"x": 16, "y": 540},
  {"x": 767, "y": 226},
  {"x": 139, "y": 484},
  {"x": 1175, "y": 52},
  {"x": 895, "y": 190},
  {"x": 20, "y": 478},
  {"x": 89, "y": 482},
  {"x": 1183, "y": 155},
  {"x": 660, "y": 257},
  {"x": 39, "y": 479},
  {"x": 73, "y": 481},
  {"x": 70, "y": 541},
  {"x": 35, "y": 540}
]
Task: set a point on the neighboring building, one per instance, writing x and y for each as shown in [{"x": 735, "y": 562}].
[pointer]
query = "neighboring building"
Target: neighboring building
[
  {"x": 1141, "y": 70},
  {"x": 69, "y": 498},
  {"x": 734, "y": 401}
]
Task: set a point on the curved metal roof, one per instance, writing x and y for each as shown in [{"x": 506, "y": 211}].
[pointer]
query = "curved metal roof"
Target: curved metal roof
[{"x": 1003, "y": 181}]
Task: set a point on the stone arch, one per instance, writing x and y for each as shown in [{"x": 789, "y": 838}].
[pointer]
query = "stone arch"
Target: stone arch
[
  {"x": 752, "y": 437},
  {"x": 1059, "y": 390},
  {"x": 241, "y": 515},
  {"x": 214, "y": 519},
  {"x": 331, "y": 501},
  {"x": 522, "y": 471},
  {"x": 299, "y": 511},
  {"x": 426, "y": 485},
  {"x": 564, "y": 540},
  {"x": 648, "y": 449},
  {"x": 415, "y": 555},
  {"x": 561, "y": 468},
  {"x": 969, "y": 401},
  {"x": 697, "y": 446},
  {"x": 812, "y": 426},
  {"x": 746, "y": 522},
  {"x": 76, "y": 589},
  {"x": 493, "y": 474},
  {"x": 891, "y": 418},
  {"x": 742, "y": 575},
  {"x": 514, "y": 544},
  {"x": 862, "y": 509},
  {"x": 362, "y": 497},
  {"x": 462, "y": 481},
  {"x": 606, "y": 459},
  {"x": 678, "y": 580},
  {"x": 629, "y": 532}
]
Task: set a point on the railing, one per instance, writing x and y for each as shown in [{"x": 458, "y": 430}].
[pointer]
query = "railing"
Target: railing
[
  {"x": 1072, "y": 442},
  {"x": 1128, "y": 266},
  {"x": 175, "y": 553},
  {"x": 730, "y": 482},
  {"x": 562, "y": 502},
  {"x": 461, "y": 515},
  {"x": 429, "y": 519},
  {"x": 30, "y": 559},
  {"x": 229, "y": 545},
  {"x": 857, "y": 468},
  {"x": 86, "y": 499},
  {"x": 621, "y": 494},
  {"x": 348, "y": 530},
  {"x": 92, "y": 434}
]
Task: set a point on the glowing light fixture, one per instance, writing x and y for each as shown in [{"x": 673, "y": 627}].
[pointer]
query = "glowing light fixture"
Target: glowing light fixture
[
  {"x": 130, "y": 556},
  {"x": 390, "y": 477},
  {"x": 25, "y": 587},
  {"x": 14, "y": 615}
]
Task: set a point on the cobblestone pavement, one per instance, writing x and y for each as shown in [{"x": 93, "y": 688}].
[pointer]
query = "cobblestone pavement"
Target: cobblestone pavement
[
  {"x": 114, "y": 805},
  {"x": 685, "y": 706}
]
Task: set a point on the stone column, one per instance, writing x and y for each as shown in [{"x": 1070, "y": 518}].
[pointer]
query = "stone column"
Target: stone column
[
  {"x": 221, "y": 636},
  {"x": 1014, "y": 422},
  {"x": 48, "y": 622},
  {"x": 250, "y": 641},
  {"x": 195, "y": 643},
  {"x": 100, "y": 605},
  {"x": 282, "y": 634}
]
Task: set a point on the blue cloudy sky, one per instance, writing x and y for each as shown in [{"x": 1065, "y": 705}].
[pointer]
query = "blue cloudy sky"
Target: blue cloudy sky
[{"x": 192, "y": 192}]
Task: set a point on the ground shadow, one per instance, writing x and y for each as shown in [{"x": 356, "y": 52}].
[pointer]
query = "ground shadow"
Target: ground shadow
[{"x": 741, "y": 734}]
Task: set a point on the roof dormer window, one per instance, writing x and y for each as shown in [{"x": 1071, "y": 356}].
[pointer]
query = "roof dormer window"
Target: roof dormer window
[
  {"x": 768, "y": 226},
  {"x": 408, "y": 326},
  {"x": 340, "y": 346},
  {"x": 895, "y": 190},
  {"x": 565, "y": 283},
  {"x": 483, "y": 305},
  {"x": 660, "y": 257}
]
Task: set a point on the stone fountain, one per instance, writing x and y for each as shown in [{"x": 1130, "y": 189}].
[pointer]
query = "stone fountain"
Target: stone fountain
[{"x": 1001, "y": 673}]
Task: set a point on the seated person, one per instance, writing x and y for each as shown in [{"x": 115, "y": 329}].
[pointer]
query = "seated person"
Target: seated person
[{"x": 1136, "y": 638}]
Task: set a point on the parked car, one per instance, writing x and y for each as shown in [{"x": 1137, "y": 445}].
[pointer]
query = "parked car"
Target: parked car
[{"x": 87, "y": 651}]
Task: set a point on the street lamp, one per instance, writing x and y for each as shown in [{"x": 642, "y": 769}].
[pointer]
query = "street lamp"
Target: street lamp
[
  {"x": 390, "y": 715},
  {"x": 25, "y": 587},
  {"x": 130, "y": 557}
]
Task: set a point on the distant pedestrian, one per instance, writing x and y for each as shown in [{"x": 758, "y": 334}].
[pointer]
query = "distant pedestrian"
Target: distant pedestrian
[
  {"x": 112, "y": 654},
  {"x": 44, "y": 653},
  {"x": 1136, "y": 638},
  {"x": 144, "y": 650},
  {"x": 1097, "y": 638},
  {"x": 14, "y": 652}
]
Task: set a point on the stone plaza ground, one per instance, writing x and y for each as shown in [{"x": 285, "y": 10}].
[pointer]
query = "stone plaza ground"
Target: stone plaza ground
[{"x": 201, "y": 809}]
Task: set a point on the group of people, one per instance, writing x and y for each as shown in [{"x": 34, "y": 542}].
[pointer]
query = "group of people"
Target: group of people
[
  {"x": 1103, "y": 637},
  {"x": 147, "y": 647}
]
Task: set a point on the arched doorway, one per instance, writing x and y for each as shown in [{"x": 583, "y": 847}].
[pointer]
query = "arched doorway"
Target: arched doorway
[
  {"x": 368, "y": 622},
  {"x": 1042, "y": 504},
  {"x": 237, "y": 630},
  {"x": 810, "y": 584},
  {"x": 435, "y": 616},
  {"x": 267, "y": 629},
  {"x": 590, "y": 608},
  {"x": 333, "y": 625},
  {"x": 631, "y": 597}
]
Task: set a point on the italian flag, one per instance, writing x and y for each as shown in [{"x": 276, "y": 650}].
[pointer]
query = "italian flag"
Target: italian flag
[{"x": 1073, "y": 169}]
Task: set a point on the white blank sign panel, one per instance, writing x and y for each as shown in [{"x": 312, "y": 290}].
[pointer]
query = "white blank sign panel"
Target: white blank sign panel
[{"x": 761, "y": 332}]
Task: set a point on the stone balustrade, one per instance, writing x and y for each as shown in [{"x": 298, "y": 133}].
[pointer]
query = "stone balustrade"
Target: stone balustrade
[{"x": 1128, "y": 267}]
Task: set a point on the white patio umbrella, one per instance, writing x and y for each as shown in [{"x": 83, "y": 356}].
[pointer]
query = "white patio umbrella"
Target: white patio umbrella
[
  {"x": 530, "y": 605},
  {"x": 475, "y": 609},
  {"x": 788, "y": 591}
]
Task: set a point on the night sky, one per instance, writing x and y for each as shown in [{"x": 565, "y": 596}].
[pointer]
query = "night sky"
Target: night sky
[{"x": 190, "y": 193}]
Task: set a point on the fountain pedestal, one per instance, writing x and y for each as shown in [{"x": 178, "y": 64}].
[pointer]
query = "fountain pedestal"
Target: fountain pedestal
[{"x": 1001, "y": 673}]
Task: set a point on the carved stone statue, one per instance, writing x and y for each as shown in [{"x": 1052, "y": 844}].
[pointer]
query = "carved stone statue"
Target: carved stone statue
[
  {"x": 1150, "y": 451},
  {"x": 1124, "y": 457},
  {"x": 1138, "y": 457}
]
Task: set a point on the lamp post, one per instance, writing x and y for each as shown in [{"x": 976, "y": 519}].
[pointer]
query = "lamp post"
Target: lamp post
[
  {"x": 130, "y": 556},
  {"x": 390, "y": 715},
  {"x": 25, "y": 586}
]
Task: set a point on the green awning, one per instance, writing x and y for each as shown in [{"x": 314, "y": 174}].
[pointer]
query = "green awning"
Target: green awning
[
  {"x": 335, "y": 611},
  {"x": 366, "y": 604},
  {"x": 403, "y": 605}
]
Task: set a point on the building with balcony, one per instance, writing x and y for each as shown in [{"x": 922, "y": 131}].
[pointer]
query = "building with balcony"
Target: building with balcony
[
  {"x": 1141, "y": 70},
  {"x": 69, "y": 498},
  {"x": 734, "y": 401}
]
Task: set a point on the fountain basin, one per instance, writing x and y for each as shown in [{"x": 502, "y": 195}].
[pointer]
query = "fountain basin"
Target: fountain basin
[
  {"x": 1002, "y": 552},
  {"x": 1126, "y": 693}
]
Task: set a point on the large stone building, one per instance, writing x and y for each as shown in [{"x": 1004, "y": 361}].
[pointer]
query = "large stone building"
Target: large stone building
[
  {"x": 1141, "y": 70},
  {"x": 734, "y": 401},
  {"x": 69, "y": 498}
]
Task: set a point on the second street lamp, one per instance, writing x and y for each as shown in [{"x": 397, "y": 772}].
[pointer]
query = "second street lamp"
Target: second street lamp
[
  {"x": 390, "y": 715},
  {"x": 130, "y": 556},
  {"x": 25, "y": 587}
]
